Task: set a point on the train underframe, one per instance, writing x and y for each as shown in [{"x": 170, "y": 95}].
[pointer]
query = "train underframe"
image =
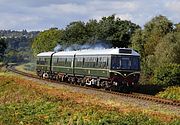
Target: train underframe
[{"x": 114, "y": 83}]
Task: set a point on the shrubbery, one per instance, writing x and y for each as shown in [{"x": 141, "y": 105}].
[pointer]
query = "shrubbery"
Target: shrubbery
[
  {"x": 170, "y": 93},
  {"x": 167, "y": 75}
]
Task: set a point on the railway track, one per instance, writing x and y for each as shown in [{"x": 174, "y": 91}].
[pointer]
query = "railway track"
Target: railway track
[{"x": 132, "y": 95}]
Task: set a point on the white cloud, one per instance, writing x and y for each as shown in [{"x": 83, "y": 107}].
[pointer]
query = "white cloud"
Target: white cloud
[
  {"x": 173, "y": 5},
  {"x": 69, "y": 8},
  {"x": 18, "y": 21},
  {"x": 124, "y": 16},
  {"x": 113, "y": 5},
  {"x": 41, "y": 14}
]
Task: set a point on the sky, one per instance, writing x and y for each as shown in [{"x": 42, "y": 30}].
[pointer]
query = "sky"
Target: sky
[{"x": 44, "y": 14}]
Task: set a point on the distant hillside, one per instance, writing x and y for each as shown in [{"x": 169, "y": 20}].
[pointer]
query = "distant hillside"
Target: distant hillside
[
  {"x": 19, "y": 44},
  {"x": 15, "y": 34}
]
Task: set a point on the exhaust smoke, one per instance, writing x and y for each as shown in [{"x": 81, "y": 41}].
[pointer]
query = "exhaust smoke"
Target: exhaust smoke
[{"x": 97, "y": 45}]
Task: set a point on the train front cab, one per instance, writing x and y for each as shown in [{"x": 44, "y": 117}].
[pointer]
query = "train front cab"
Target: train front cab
[{"x": 125, "y": 70}]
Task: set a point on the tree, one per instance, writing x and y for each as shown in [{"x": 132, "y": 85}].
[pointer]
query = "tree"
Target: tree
[
  {"x": 3, "y": 47},
  {"x": 115, "y": 30},
  {"x": 168, "y": 50},
  {"x": 137, "y": 42},
  {"x": 46, "y": 40},
  {"x": 108, "y": 30},
  {"x": 92, "y": 30},
  {"x": 75, "y": 33},
  {"x": 156, "y": 43},
  {"x": 154, "y": 31},
  {"x": 177, "y": 27}
]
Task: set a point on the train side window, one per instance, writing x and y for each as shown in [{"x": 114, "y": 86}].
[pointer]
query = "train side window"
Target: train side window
[
  {"x": 45, "y": 61},
  {"x": 93, "y": 62},
  {"x": 55, "y": 61},
  {"x": 86, "y": 62},
  {"x": 102, "y": 62},
  {"x": 61, "y": 61},
  {"x": 68, "y": 62},
  {"x": 79, "y": 61}
]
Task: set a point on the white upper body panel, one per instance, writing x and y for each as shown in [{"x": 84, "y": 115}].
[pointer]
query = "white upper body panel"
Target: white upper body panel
[
  {"x": 45, "y": 54},
  {"x": 112, "y": 51},
  {"x": 65, "y": 53}
]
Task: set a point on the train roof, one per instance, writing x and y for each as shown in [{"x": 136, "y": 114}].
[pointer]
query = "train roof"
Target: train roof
[
  {"x": 66, "y": 53},
  {"x": 112, "y": 51},
  {"x": 45, "y": 54}
]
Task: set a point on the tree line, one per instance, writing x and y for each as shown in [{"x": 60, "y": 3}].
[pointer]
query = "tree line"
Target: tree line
[
  {"x": 158, "y": 42},
  {"x": 159, "y": 45},
  {"x": 109, "y": 29},
  {"x": 15, "y": 46}
]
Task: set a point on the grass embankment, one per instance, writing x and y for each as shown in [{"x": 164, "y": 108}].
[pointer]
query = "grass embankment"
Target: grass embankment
[
  {"x": 170, "y": 93},
  {"x": 28, "y": 67},
  {"x": 25, "y": 102},
  {"x": 157, "y": 90}
]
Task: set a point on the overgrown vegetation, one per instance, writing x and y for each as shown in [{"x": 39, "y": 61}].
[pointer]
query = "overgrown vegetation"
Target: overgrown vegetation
[
  {"x": 167, "y": 75},
  {"x": 159, "y": 45},
  {"x": 23, "y": 102},
  {"x": 170, "y": 93}
]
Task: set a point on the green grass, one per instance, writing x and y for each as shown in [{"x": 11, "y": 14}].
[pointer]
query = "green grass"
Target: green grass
[
  {"x": 170, "y": 93},
  {"x": 26, "y": 102},
  {"x": 28, "y": 67}
]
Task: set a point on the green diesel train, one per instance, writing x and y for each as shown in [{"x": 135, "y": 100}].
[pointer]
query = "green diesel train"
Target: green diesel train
[{"x": 116, "y": 68}]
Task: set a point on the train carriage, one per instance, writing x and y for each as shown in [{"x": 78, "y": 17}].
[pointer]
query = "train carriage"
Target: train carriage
[
  {"x": 107, "y": 68},
  {"x": 43, "y": 65},
  {"x": 62, "y": 62}
]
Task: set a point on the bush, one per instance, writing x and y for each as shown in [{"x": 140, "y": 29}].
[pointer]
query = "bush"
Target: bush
[
  {"x": 167, "y": 75},
  {"x": 170, "y": 93}
]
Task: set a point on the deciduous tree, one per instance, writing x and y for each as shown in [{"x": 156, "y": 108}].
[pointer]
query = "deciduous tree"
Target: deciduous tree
[
  {"x": 46, "y": 40},
  {"x": 3, "y": 46}
]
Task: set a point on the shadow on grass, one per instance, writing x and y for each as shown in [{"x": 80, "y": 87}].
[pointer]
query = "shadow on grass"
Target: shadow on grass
[{"x": 149, "y": 89}]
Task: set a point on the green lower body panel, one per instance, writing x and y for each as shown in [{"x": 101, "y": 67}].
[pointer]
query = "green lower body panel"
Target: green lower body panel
[
  {"x": 91, "y": 72},
  {"x": 82, "y": 71},
  {"x": 67, "y": 70},
  {"x": 43, "y": 67}
]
